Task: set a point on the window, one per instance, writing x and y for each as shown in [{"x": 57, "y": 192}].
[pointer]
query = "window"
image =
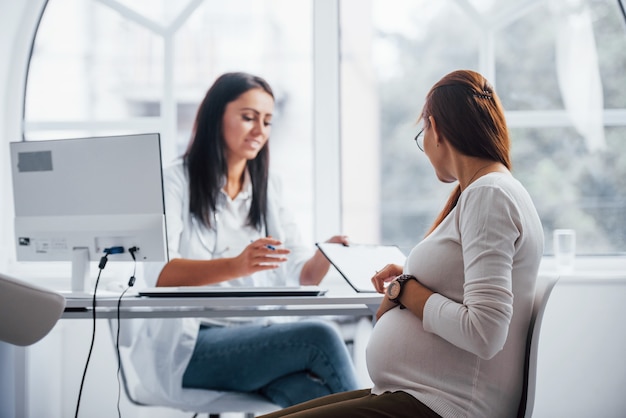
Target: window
[
  {"x": 117, "y": 67},
  {"x": 111, "y": 66},
  {"x": 558, "y": 68}
]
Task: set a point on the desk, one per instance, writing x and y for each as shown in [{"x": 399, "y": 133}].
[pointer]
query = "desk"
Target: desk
[
  {"x": 132, "y": 306},
  {"x": 70, "y": 344}
]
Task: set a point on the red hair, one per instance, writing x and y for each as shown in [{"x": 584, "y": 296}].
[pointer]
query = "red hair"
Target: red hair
[{"x": 470, "y": 116}]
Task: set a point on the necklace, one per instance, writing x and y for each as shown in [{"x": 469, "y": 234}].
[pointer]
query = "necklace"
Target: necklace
[{"x": 477, "y": 171}]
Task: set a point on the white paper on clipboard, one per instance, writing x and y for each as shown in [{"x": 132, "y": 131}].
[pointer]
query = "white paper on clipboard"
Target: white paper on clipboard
[{"x": 357, "y": 263}]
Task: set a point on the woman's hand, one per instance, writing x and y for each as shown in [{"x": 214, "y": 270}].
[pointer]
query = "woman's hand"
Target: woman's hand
[
  {"x": 262, "y": 254},
  {"x": 380, "y": 280},
  {"x": 384, "y": 276},
  {"x": 385, "y": 305}
]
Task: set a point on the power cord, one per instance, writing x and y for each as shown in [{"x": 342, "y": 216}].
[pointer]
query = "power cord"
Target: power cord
[
  {"x": 131, "y": 282},
  {"x": 101, "y": 265}
]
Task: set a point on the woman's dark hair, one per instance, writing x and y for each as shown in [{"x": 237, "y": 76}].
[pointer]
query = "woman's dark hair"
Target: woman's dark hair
[
  {"x": 205, "y": 158},
  {"x": 470, "y": 116}
]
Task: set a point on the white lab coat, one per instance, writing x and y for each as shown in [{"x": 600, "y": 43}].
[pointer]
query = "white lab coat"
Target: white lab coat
[{"x": 162, "y": 347}]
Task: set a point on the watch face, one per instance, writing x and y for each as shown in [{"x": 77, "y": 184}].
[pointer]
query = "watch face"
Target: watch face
[{"x": 393, "y": 290}]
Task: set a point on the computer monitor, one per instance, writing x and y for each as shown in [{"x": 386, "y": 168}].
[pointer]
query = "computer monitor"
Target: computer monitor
[{"x": 77, "y": 199}]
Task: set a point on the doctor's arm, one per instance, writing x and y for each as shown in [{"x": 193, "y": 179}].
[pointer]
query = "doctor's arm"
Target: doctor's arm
[
  {"x": 254, "y": 258},
  {"x": 317, "y": 266}
]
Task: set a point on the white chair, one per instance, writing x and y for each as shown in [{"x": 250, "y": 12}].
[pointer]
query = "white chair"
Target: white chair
[
  {"x": 249, "y": 404},
  {"x": 27, "y": 312},
  {"x": 544, "y": 288}
]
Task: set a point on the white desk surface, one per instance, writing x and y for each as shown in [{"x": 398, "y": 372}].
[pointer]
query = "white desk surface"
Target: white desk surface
[{"x": 132, "y": 306}]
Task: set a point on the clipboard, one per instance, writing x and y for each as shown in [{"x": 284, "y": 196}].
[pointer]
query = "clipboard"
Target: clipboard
[{"x": 357, "y": 263}]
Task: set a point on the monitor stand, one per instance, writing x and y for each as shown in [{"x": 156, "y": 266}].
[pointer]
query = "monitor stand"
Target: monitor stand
[{"x": 81, "y": 283}]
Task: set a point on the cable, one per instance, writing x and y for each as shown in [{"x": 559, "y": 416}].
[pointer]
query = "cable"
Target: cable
[
  {"x": 117, "y": 349},
  {"x": 132, "y": 251},
  {"x": 623, "y": 10},
  {"x": 131, "y": 282},
  {"x": 101, "y": 265}
]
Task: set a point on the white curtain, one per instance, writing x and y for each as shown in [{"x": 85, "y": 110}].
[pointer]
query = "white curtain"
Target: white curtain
[{"x": 578, "y": 72}]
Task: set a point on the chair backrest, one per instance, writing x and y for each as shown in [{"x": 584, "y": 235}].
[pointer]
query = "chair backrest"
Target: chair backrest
[
  {"x": 232, "y": 402},
  {"x": 27, "y": 312},
  {"x": 544, "y": 288}
]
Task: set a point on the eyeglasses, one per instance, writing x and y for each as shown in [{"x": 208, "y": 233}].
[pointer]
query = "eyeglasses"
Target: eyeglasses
[{"x": 419, "y": 139}]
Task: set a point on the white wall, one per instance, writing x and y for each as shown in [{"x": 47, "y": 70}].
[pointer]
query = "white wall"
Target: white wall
[
  {"x": 17, "y": 20},
  {"x": 16, "y": 23}
]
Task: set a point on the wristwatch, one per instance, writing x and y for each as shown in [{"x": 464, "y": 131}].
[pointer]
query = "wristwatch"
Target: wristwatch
[{"x": 394, "y": 290}]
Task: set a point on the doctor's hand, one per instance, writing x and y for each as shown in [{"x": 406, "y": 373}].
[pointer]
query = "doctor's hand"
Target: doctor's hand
[
  {"x": 384, "y": 276},
  {"x": 262, "y": 254},
  {"x": 317, "y": 266},
  {"x": 339, "y": 239}
]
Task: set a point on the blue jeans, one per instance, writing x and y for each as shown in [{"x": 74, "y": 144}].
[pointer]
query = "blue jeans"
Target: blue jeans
[{"x": 288, "y": 363}]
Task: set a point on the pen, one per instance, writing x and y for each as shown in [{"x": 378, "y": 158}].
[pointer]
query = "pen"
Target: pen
[{"x": 268, "y": 246}]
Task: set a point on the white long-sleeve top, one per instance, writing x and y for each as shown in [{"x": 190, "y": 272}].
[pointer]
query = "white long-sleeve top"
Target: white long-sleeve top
[{"x": 466, "y": 358}]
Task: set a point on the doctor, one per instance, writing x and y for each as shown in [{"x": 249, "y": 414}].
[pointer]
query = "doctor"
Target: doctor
[{"x": 227, "y": 225}]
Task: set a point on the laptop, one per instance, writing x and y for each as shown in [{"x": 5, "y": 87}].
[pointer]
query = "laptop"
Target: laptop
[
  {"x": 357, "y": 263},
  {"x": 234, "y": 291}
]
